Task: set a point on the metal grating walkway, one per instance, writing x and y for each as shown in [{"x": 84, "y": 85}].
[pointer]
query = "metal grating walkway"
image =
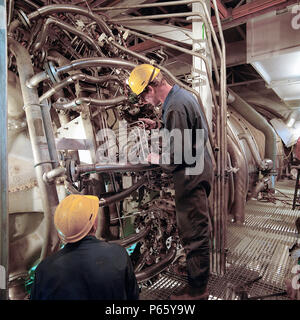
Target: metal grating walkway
[{"x": 258, "y": 248}]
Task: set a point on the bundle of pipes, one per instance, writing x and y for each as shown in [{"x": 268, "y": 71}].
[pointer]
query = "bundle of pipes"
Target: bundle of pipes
[{"x": 65, "y": 73}]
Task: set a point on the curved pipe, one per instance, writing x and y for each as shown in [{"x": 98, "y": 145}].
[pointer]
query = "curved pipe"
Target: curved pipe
[
  {"x": 43, "y": 34},
  {"x": 61, "y": 85},
  {"x": 74, "y": 104},
  {"x": 123, "y": 194},
  {"x": 260, "y": 123},
  {"x": 96, "y": 62},
  {"x": 74, "y": 78},
  {"x": 53, "y": 174},
  {"x": 57, "y": 8},
  {"x": 156, "y": 268},
  {"x": 240, "y": 181},
  {"x": 81, "y": 63},
  {"x": 269, "y": 105},
  {"x": 254, "y": 151},
  {"x": 36, "y": 79},
  {"x": 196, "y": 54},
  {"x": 38, "y": 141},
  {"x": 128, "y": 241}
]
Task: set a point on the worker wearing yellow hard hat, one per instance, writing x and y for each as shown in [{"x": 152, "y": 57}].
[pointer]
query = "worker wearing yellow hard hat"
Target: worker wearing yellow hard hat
[
  {"x": 86, "y": 268},
  {"x": 75, "y": 216},
  {"x": 181, "y": 113},
  {"x": 141, "y": 76}
]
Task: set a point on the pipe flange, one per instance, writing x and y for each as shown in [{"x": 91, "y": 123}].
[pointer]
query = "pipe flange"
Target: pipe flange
[
  {"x": 24, "y": 19},
  {"x": 266, "y": 164},
  {"x": 71, "y": 171},
  {"x": 52, "y": 72}
]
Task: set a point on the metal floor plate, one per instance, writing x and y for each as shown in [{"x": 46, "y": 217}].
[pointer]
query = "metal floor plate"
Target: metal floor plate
[{"x": 258, "y": 248}]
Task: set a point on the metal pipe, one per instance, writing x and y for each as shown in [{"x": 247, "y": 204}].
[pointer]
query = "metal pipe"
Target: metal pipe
[
  {"x": 54, "y": 173},
  {"x": 78, "y": 64},
  {"x": 260, "y": 123},
  {"x": 44, "y": 33},
  {"x": 11, "y": 6},
  {"x": 47, "y": 121},
  {"x": 100, "y": 168},
  {"x": 57, "y": 8},
  {"x": 148, "y": 5},
  {"x": 174, "y": 79},
  {"x": 36, "y": 79},
  {"x": 61, "y": 85},
  {"x": 156, "y": 268},
  {"x": 4, "y": 223},
  {"x": 200, "y": 67},
  {"x": 174, "y": 15},
  {"x": 74, "y": 104},
  {"x": 74, "y": 78},
  {"x": 222, "y": 135},
  {"x": 132, "y": 239},
  {"x": 123, "y": 194},
  {"x": 196, "y": 54},
  {"x": 156, "y": 16},
  {"x": 96, "y": 62},
  {"x": 253, "y": 150},
  {"x": 240, "y": 181},
  {"x": 38, "y": 140}
]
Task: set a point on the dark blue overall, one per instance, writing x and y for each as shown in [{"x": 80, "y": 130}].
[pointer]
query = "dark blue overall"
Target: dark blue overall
[
  {"x": 182, "y": 111},
  {"x": 89, "y": 269}
]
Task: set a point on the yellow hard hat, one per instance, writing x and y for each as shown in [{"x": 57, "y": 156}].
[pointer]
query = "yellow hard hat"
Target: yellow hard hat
[
  {"x": 141, "y": 76},
  {"x": 75, "y": 216}
]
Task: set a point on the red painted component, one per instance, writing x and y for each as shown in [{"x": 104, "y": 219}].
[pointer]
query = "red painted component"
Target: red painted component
[
  {"x": 254, "y": 6},
  {"x": 224, "y": 13},
  {"x": 237, "y": 16},
  {"x": 250, "y": 10}
]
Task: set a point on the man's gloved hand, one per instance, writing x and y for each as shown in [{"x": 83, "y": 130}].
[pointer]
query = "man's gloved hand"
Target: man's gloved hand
[{"x": 149, "y": 124}]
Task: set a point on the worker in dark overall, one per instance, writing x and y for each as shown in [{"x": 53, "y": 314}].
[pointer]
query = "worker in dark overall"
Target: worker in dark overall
[
  {"x": 86, "y": 268},
  {"x": 180, "y": 110}
]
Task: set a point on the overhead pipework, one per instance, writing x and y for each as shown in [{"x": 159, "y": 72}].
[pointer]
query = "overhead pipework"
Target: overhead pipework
[{"x": 73, "y": 127}]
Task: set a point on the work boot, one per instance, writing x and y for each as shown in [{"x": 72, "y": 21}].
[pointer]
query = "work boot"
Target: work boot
[{"x": 191, "y": 293}]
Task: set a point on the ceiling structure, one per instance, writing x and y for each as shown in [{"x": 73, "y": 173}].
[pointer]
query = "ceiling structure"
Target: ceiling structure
[
  {"x": 262, "y": 46},
  {"x": 234, "y": 16},
  {"x": 171, "y": 22}
]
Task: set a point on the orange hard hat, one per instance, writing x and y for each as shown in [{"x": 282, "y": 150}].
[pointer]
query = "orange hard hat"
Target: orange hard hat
[
  {"x": 141, "y": 76},
  {"x": 75, "y": 216}
]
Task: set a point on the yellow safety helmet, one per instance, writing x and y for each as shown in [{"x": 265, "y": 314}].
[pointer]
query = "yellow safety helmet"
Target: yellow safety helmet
[
  {"x": 141, "y": 76},
  {"x": 75, "y": 216}
]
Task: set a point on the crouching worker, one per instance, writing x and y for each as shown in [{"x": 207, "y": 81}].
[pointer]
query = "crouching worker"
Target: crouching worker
[{"x": 86, "y": 268}]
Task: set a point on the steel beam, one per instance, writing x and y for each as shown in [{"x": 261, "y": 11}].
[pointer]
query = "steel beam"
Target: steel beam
[
  {"x": 224, "y": 12},
  {"x": 242, "y": 14}
]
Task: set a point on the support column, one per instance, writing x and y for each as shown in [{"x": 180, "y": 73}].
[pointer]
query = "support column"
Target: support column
[
  {"x": 3, "y": 157},
  {"x": 199, "y": 73}
]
